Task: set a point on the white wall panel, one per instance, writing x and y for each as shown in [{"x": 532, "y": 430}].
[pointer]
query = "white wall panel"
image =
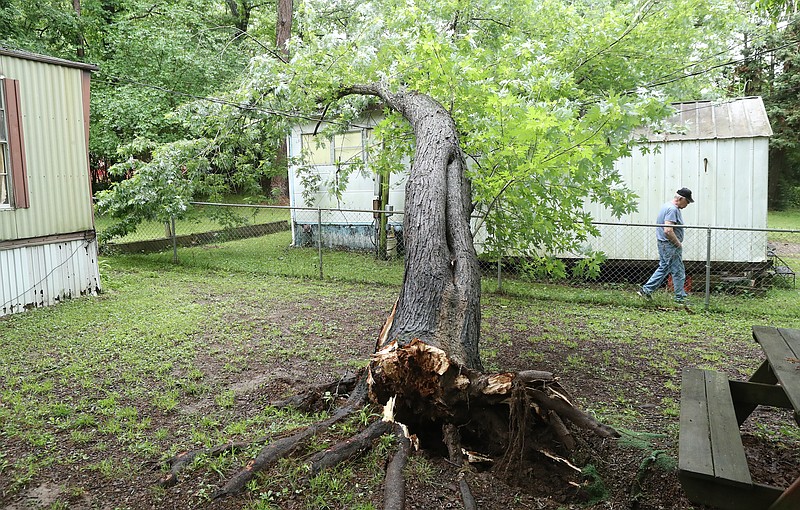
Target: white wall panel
[{"x": 34, "y": 276}]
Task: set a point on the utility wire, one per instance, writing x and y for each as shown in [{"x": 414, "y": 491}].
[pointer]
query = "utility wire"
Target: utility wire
[
  {"x": 665, "y": 80},
  {"x": 113, "y": 80}
]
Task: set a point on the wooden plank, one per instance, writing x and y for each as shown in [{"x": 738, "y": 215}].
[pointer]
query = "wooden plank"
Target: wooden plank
[
  {"x": 751, "y": 393},
  {"x": 792, "y": 337},
  {"x": 694, "y": 447},
  {"x": 728, "y": 497},
  {"x": 764, "y": 375},
  {"x": 790, "y": 499},
  {"x": 730, "y": 462},
  {"x": 781, "y": 356}
]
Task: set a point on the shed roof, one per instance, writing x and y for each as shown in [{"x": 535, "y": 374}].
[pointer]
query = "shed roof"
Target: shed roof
[
  {"x": 26, "y": 55},
  {"x": 743, "y": 117}
]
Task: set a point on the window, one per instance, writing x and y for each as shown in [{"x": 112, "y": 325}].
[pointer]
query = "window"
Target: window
[
  {"x": 342, "y": 149},
  {"x": 13, "y": 172},
  {"x": 316, "y": 149},
  {"x": 347, "y": 148}
]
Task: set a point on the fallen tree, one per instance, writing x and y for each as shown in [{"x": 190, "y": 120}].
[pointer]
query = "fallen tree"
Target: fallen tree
[{"x": 426, "y": 370}]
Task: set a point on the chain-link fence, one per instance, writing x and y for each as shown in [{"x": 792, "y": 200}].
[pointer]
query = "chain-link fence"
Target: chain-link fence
[{"x": 723, "y": 260}]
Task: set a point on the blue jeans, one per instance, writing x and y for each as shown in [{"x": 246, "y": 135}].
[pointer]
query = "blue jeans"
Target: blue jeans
[{"x": 669, "y": 262}]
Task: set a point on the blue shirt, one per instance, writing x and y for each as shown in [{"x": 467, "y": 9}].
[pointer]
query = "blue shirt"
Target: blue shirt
[{"x": 669, "y": 212}]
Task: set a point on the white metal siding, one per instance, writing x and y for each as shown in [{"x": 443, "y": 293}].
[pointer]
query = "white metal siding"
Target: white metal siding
[
  {"x": 729, "y": 191},
  {"x": 360, "y": 191},
  {"x": 34, "y": 276}
]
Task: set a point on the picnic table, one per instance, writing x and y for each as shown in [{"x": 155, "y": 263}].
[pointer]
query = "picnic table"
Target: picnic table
[{"x": 712, "y": 466}]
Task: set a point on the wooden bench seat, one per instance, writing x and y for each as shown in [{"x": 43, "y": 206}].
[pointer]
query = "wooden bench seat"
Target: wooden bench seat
[{"x": 711, "y": 459}]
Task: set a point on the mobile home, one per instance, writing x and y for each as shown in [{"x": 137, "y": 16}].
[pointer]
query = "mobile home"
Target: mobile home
[{"x": 48, "y": 247}]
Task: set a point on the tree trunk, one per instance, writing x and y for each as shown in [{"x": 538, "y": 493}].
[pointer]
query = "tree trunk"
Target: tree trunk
[
  {"x": 426, "y": 370},
  {"x": 436, "y": 321},
  {"x": 283, "y": 33},
  {"x": 439, "y": 302},
  {"x": 80, "y": 50}
]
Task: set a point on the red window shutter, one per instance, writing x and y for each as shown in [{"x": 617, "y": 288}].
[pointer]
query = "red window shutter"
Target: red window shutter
[{"x": 16, "y": 144}]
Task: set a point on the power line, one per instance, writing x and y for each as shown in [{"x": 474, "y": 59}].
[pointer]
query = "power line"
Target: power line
[{"x": 665, "y": 80}]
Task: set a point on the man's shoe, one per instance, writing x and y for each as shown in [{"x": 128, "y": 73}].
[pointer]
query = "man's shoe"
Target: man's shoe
[
  {"x": 686, "y": 303},
  {"x": 644, "y": 295}
]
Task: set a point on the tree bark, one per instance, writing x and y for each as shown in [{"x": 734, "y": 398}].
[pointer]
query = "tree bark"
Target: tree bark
[
  {"x": 439, "y": 302},
  {"x": 80, "y": 51},
  {"x": 283, "y": 33}
]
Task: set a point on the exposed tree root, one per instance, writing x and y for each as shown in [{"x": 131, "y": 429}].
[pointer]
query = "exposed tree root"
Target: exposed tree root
[
  {"x": 308, "y": 399},
  {"x": 279, "y": 448},
  {"x": 273, "y": 452},
  {"x": 183, "y": 459},
  {"x": 503, "y": 415},
  {"x": 559, "y": 404},
  {"x": 349, "y": 448},
  {"x": 453, "y": 441},
  {"x": 394, "y": 487}
]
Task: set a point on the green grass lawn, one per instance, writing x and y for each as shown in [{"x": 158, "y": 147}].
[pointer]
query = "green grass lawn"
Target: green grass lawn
[
  {"x": 198, "y": 219},
  {"x": 96, "y": 391},
  {"x": 784, "y": 220},
  {"x": 274, "y": 255}
]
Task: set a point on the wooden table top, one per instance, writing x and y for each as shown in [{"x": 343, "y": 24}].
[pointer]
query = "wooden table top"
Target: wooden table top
[{"x": 782, "y": 348}]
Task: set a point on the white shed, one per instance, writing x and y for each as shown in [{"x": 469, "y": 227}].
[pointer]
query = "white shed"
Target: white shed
[
  {"x": 719, "y": 150},
  {"x": 326, "y": 160}
]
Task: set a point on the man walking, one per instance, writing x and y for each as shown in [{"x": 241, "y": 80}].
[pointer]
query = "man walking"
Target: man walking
[{"x": 670, "y": 247}]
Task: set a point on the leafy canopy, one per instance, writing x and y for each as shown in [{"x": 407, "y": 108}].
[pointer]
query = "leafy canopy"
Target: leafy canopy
[{"x": 545, "y": 93}]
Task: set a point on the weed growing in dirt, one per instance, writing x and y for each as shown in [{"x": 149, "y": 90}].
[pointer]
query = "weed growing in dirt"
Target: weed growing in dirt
[{"x": 596, "y": 489}]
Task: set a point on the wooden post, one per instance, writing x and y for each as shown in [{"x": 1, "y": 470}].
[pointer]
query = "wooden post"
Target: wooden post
[
  {"x": 708, "y": 268},
  {"x": 319, "y": 239},
  {"x": 174, "y": 241}
]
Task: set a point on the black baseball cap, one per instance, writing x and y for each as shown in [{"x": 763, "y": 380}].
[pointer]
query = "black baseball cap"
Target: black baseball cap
[{"x": 686, "y": 193}]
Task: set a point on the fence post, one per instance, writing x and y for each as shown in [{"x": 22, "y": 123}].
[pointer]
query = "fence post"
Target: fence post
[
  {"x": 319, "y": 239},
  {"x": 500, "y": 273},
  {"x": 174, "y": 241},
  {"x": 708, "y": 268}
]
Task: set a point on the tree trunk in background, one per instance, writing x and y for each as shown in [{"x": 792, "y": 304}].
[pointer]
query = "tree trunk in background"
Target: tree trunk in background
[
  {"x": 283, "y": 33},
  {"x": 76, "y": 5},
  {"x": 241, "y": 14}
]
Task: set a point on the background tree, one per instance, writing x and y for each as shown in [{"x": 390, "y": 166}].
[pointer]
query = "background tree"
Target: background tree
[
  {"x": 769, "y": 68},
  {"x": 783, "y": 108},
  {"x": 153, "y": 59}
]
